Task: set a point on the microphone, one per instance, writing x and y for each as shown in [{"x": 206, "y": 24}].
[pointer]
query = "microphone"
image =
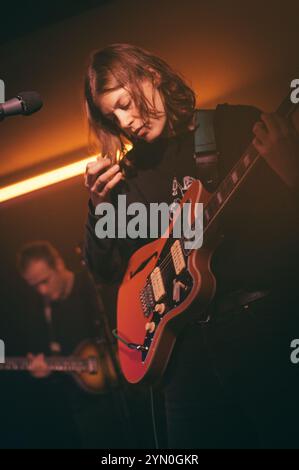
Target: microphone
[{"x": 26, "y": 103}]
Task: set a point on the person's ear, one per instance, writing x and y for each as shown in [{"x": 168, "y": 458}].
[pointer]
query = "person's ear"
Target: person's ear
[{"x": 156, "y": 76}]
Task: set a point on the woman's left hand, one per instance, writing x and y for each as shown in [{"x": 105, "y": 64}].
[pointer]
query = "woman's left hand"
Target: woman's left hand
[{"x": 277, "y": 141}]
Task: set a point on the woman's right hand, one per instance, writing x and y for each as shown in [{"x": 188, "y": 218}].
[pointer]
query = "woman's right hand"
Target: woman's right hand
[{"x": 100, "y": 178}]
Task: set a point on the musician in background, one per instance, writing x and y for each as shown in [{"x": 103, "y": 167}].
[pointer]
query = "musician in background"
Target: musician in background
[
  {"x": 69, "y": 312},
  {"x": 230, "y": 382}
]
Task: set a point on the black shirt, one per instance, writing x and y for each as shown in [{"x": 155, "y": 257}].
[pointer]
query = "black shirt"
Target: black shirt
[{"x": 74, "y": 318}]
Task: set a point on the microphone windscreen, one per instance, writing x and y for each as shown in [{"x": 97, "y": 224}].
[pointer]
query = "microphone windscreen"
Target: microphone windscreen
[{"x": 31, "y": 101}]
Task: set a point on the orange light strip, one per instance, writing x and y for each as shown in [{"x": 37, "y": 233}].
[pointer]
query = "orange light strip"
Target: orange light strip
[{"x": 45, "y": 179}]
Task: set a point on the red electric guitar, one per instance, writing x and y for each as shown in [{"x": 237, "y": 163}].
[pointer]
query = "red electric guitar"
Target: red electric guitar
[{"x": 149, "y": 314}]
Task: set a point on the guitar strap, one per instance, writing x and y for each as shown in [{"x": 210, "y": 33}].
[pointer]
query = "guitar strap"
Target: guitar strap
[{"x": 206, "y": 155}]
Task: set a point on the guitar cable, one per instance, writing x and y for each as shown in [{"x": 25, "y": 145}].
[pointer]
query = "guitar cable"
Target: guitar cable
[
  {"x": 138, "y": 347},
  {"x": 155, "y": 431}
]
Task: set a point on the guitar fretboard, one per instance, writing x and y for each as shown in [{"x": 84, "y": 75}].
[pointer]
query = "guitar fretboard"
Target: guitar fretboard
[
  {"x": 229, "y": 185},
  {"x": 64, "y": 364}
]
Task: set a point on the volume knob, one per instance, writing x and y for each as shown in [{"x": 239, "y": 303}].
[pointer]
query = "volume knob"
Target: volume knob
[
  {"x": 150, "y": 327},
  {"x": 160, "y": 308}
]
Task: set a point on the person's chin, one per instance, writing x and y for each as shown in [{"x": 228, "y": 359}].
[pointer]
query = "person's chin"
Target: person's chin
[{"x": 151, "y": 135}]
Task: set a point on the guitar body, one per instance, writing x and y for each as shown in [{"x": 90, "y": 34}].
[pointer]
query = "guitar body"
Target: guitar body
[
  {"x": 138, "y": 306},
  {"x": 100, "y": 373}
]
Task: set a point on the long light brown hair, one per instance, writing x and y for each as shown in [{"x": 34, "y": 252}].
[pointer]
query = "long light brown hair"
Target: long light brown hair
[{"x": 125, "y": 65}]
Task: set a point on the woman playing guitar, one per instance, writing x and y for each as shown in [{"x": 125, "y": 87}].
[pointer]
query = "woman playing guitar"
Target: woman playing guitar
[{"x": 229, "y": 381}]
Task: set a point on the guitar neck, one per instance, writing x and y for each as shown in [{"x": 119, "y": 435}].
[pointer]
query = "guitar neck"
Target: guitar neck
[
  {"x": 58, "y": 364},
  {"x": 238, "y": 174}
]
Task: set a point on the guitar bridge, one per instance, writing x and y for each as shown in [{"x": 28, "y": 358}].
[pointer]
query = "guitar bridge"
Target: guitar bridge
[{"x": 92, "y": 365}]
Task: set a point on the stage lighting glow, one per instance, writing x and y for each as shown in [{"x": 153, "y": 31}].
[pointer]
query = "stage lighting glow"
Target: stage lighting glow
[
  {"x": 48, "y": 178},
  {"x": 45, "y": 179}
]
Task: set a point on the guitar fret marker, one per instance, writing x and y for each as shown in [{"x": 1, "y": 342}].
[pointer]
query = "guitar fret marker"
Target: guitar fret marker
[
  {"x": 246, "y": 160},
  {"x": 219, "y": 197},
  {"x": 235, "y": 177}
]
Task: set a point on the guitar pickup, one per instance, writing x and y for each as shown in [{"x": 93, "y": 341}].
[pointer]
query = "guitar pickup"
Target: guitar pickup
[
  {"x": 157, "y": 284},
  {"x": 178, "y": 258}
]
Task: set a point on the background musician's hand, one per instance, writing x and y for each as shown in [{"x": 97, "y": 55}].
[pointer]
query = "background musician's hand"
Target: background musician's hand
[
  {"x": 100, "y": 178},
  {"x": 38, "y": 367}
]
